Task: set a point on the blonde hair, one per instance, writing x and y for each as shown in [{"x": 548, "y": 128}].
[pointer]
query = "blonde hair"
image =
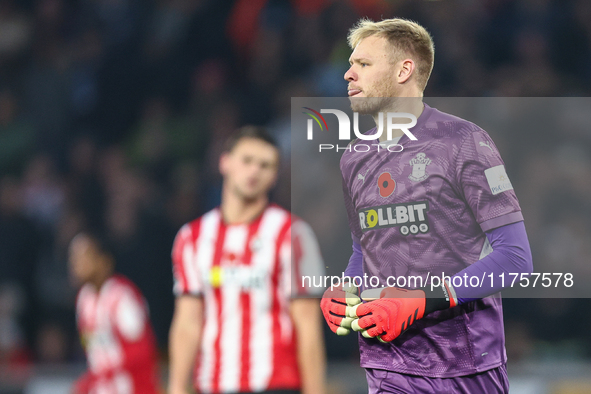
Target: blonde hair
[{"x": 405, "y": 36}]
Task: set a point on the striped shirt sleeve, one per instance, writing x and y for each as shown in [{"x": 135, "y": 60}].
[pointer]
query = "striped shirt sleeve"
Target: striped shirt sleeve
[
  {"x": 184, "y": 264},
  {"x": 306, "y": 260}
]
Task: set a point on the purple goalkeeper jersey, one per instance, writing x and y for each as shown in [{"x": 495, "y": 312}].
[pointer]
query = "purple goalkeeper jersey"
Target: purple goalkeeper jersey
[{"x": 423, "y": 211}]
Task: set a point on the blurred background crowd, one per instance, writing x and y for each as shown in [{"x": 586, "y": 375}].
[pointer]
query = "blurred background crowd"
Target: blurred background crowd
[{"x": 113, "y": 113}]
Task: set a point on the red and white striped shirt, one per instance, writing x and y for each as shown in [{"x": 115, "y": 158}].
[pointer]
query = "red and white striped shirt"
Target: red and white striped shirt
[
  {"x": 247, "y": 274},
  {"x": 118, "y": 339}
]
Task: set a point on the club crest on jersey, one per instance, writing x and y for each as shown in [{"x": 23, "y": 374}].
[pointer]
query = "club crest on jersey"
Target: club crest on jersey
[
  {"x": 419, "y": 166},
  {"x": 386, "y": 184},
  {"x": 411, "y": 217}
]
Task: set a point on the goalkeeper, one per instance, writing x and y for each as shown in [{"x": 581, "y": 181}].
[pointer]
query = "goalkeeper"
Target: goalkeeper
[{"x": 442, "y": 204}]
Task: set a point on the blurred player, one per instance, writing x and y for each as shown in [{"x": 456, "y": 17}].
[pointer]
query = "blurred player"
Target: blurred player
[
  {"x": 113, "y": 323},
  {"x": 441, "y": 204},
  {"x": 237, "y": 270}
]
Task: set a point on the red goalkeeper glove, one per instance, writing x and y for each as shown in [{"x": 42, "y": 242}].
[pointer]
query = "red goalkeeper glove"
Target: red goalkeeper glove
[
  {"x": 396, "y": 309},
  {"x": 335, "y": 305}
]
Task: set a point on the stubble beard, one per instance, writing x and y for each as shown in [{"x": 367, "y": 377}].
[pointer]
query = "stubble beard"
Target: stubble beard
[
  {"x": 371, "y": 105},
  {"x": 382, "y": 100},
  {"x": 248, "y": 198}
]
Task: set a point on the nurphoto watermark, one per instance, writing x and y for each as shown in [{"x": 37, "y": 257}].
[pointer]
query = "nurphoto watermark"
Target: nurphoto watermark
[{"x": 392, "y": 120}]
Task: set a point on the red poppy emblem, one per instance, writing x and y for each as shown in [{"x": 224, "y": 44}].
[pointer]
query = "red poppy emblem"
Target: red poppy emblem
[{"x": 386, "y": 184}]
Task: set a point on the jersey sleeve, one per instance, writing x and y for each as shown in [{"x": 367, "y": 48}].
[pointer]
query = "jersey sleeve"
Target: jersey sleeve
[
  {"x": 306, "y": 264},
  {"x": 80, "y": 317},
  {"x": 484, "y": 184},
  {"x": 130, "y": 317},
  {"x": 511, "y": 254},
  {"x": 184, "y": 264},
  {"x": 355, "y": 267}
]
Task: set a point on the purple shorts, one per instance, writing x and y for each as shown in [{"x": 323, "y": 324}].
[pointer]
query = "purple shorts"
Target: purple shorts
[{"x": 493, "y": 381}]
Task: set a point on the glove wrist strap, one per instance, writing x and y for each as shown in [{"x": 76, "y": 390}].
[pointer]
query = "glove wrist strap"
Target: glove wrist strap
[{"x": 439, "y": 298}]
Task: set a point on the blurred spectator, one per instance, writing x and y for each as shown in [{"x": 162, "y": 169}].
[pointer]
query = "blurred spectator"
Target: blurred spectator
[
  {"x": 19, "y": 253},
  {"x": 13, "y": 350},
  {"x": 15, "y": 36},
  {"x": 43, "y": 192},
  {"x": 184, "y": 200},
  {"x": 17, "y": 135},
  {"x": 85, "y": 189},
  {"x": 87, "y": 60},
  {"x": 53, "y": 347},
  {"x": 56, "y": 296},
  {"x": 46, "y": 92}
]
